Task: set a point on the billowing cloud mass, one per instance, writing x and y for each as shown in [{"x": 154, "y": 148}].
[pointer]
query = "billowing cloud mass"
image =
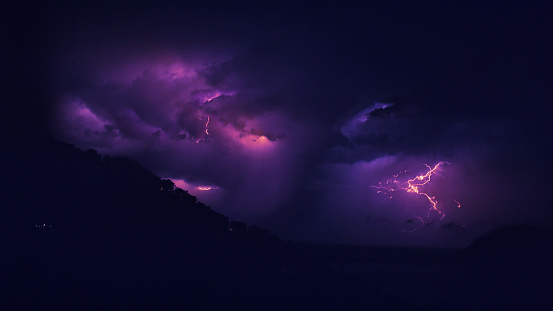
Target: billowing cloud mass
[
  {"x": 287, "y": 120},
  {"x": 188, "y": 122}
]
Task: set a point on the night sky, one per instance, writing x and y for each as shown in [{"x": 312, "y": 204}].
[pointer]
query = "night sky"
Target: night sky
[{"x": 287, "y": 115}]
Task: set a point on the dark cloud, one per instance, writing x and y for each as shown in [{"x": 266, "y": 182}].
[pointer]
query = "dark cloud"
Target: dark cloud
[{"x": 294, "y": 112}]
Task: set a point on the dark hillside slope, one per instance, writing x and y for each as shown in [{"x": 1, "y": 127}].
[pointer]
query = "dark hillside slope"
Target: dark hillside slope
[
  {"x": 522, "y": 246},
  {"x": 517, "y": 260},
  {"x": 86, "y": 232}
]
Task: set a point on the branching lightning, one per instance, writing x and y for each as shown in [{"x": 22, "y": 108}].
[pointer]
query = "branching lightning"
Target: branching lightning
[{"x": 415, "y": 185}]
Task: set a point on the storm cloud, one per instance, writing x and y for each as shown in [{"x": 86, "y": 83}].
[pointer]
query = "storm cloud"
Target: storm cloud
[{"x": 290, "y": 116}]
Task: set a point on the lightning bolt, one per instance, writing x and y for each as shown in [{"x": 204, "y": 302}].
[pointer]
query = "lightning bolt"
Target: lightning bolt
[
  {"x": 416, "y": 228},
  {"x": 458, "y": 204},
  {"x": 206, "y": 131},
  {"x": 415, "y": 185}
]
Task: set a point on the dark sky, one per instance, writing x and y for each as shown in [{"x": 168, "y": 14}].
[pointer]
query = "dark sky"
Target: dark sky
[{"x": 288, "y": 113}]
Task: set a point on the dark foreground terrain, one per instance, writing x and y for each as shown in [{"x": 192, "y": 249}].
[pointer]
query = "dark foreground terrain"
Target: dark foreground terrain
[
  {"x": 86, "y": 232},
  {"x": 498, "y": 272}
]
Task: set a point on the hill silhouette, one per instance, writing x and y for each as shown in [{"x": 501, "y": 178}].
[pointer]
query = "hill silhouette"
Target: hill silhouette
[
  {"x": 521, "y": 246},
  {"x": 515, "y": 262},
  {"x": 89, "y": 232}
]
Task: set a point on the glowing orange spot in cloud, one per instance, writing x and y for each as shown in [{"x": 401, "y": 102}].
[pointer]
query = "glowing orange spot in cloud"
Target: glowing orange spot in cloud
[
  {"x": 205, "y": 188},
  {"x": 255, "y": 141}
]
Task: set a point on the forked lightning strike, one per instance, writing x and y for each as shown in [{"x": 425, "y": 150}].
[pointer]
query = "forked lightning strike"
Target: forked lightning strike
[{"x": 415, "y": 185}]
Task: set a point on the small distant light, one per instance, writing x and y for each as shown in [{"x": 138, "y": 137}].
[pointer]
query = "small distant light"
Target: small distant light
[{"x": 43, "y": 226}]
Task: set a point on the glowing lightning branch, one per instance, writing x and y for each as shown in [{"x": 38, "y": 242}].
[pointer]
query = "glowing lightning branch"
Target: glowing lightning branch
[
  {"x": 458, "y": 204},
  {"x": 415, "y": 185},
  {"x": 416, "y": 228},
  {"x": 206, "y": 131}
]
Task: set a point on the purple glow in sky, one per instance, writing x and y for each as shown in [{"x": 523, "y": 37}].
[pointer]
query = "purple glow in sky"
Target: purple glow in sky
[
  {"x": 202, "y": 134},
  {"x": 290, "y": 115}
]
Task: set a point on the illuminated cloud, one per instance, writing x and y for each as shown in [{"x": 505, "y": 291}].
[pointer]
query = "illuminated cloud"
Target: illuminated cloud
[
  {"x": 293, "y": 123},
  {"x": 163, "y": 112}
]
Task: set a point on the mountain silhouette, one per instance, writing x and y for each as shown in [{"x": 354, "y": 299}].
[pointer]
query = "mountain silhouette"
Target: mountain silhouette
[
  {"x": 521, "y": 246},
  {"x": 88, "y": 232},
  {"x": 512, "y": 265}
]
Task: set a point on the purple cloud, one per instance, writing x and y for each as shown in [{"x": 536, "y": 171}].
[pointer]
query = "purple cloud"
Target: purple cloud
[{"x": 279, "y": 149}]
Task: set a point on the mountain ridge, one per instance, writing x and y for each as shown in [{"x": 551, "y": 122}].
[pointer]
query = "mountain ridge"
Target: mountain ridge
[{"x": 89, "y": 232}]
